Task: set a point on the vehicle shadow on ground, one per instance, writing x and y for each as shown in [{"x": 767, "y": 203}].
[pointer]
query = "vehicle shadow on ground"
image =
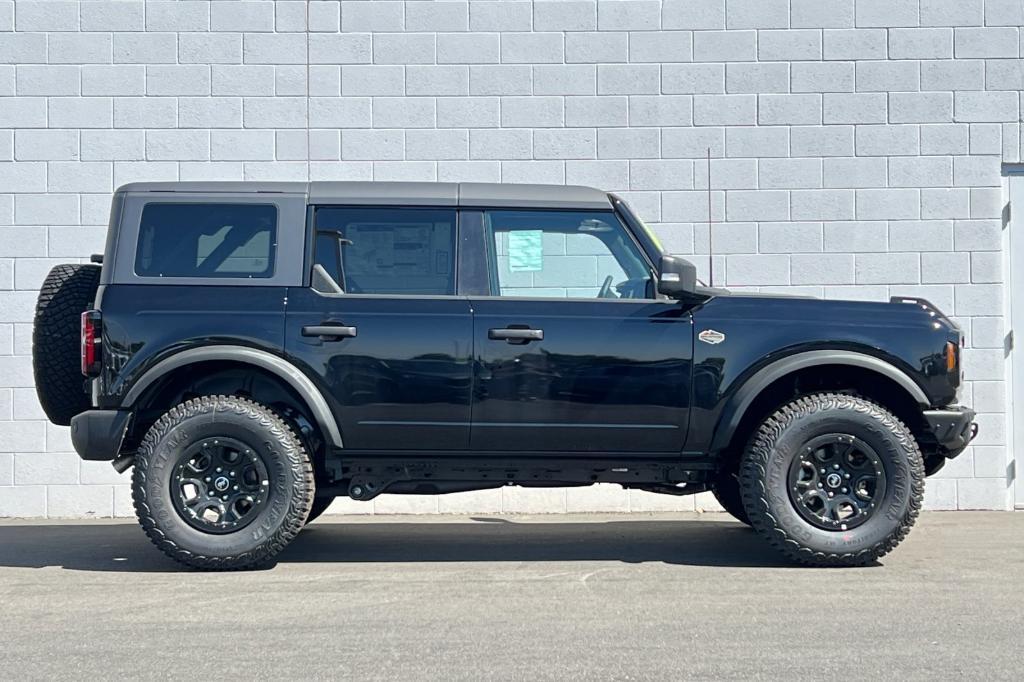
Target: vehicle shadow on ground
[{"x": 124, "y": 547}]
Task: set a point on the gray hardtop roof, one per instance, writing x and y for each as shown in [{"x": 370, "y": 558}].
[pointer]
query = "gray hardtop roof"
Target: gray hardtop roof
[{"x": 470, "y": 194}]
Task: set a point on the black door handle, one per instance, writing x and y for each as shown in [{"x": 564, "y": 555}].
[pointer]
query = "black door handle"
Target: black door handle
[
  {"x": 516, "y": 335},
  {"x": 329, "y": 332}
]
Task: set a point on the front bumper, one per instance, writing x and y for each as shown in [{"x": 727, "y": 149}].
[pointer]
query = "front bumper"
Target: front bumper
[
  {"x": 953, "y": 428},
  {"x": 97, "y": 434}
]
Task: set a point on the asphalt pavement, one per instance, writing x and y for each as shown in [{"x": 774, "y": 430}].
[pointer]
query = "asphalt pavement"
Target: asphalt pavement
[{"x": 665, "y": 596}]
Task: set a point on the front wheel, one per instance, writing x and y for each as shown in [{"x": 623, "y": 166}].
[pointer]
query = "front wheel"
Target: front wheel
[
  {"x": 726, "y": 490},
  {"x": 221, "y": 482},
  {"x": 832, "y": 480}
]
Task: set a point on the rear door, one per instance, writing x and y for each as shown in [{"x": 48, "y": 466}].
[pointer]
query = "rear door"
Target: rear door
[
  {"x": 573, "y": 350},
  {"x": 382, "y": 329}
]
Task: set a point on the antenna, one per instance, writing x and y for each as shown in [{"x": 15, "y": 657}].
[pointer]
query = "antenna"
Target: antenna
[{"x": 711, "y": 254}]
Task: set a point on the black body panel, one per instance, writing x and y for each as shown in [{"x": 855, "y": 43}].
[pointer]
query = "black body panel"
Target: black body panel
[
  {"x": 759, "y": 331},
  {"x": 403, "y": 381},
  {"x": 144, "y": 324},
  {"x": 97, "y": 433},
  {"x": 606, "y": 376}
]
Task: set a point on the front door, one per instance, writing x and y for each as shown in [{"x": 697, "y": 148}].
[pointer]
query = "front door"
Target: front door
[
  {"x": 382, "y": 329},
  {"x": 573, "y": 352}
]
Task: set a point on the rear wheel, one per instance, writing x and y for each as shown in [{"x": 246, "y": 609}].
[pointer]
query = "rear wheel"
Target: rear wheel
[
  {"x": 221, "y": 482},
  {"x": 68, "y": 291},
  {"x": 320, "y": 505},
  {"x": 832, "y": 480}
]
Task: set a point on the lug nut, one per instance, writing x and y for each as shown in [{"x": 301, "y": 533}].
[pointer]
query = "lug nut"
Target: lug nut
[
  {"x": 835, "y": 466},
  {"x": 236, "y": 488},
  {"x": 844, "y": 489},
  {"x": 219, "y": 470},
  {"x": 823, "y": 470},
  {"x": 846, "y": 476},
  {"x": 207, "y": 479},
  {"x": 830, "y": 495}
]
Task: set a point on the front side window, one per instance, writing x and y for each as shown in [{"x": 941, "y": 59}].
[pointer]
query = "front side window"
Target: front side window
[
  {"x": 408, "y": 251},
  {"x": 207, "y": 240},
  {"x": 564, "y": 254}
]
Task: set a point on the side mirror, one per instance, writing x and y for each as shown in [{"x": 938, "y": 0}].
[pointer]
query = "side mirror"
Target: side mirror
[{"x": 677, "y": 277}]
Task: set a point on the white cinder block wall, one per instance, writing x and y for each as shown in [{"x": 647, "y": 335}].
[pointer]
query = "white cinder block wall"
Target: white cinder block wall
[{"x": 856, "y": 149}]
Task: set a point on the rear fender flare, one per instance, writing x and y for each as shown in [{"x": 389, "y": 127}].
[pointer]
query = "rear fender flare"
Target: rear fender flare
[
  {"x": 277, "y": 366},
  {"x": 737, "y": 406}
]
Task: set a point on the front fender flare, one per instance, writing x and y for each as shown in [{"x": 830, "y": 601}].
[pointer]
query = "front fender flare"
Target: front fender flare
[
  {"x": 737, "y": 406},
  {"x": 278, "y": 366}
]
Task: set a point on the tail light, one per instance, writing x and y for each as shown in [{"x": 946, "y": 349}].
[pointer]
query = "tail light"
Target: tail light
[{"x": 92, "y": 357}]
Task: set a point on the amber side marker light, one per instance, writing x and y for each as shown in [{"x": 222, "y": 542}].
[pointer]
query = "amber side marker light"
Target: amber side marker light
[{"x": 950, "y": 356}]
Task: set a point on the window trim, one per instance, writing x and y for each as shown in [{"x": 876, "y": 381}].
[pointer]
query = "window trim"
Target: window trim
[
  {"x": 288, "y": 256},
  {"x": 472, "y": 266},
  {"x": 313, "y": 239},
  {"x": 311, "y": 233},
  {"x": 638, "y": 230},
  {"x": 489, "y": 244},
  {"x": 275, "y": 237}
]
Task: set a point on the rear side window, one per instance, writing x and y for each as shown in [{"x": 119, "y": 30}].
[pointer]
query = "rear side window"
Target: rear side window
[
  {"x": 388, "y": 250},
  {"x": 207, "y": 240}
]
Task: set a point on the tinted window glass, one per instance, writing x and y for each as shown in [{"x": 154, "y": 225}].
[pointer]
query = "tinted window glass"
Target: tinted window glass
[
  {"x": 564, "y": 254},
  {"x": 207, "y": 240},
  {"x": 391, "y": 251}
]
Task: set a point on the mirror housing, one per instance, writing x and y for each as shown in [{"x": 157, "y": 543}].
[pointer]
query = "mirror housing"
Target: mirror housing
[{"x": 677, "y": 277}]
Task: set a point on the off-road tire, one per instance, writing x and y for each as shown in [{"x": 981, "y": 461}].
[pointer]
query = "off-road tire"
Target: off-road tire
[
  {"x": 320, "y": 505},
  {"x": 764, "y": 480},
  {"x": 726, "y": 490},
  {"x": 67, "y": 292},
  {"x": 290, "y": 472}
]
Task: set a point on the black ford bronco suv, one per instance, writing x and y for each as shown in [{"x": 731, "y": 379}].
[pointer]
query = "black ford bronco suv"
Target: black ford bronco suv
[{"x": 256, "y": 349}]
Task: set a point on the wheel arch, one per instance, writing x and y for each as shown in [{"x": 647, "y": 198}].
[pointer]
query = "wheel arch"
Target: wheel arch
[
  {"x": 230, "y": 356},
  {"x": 884, "y": 382}
]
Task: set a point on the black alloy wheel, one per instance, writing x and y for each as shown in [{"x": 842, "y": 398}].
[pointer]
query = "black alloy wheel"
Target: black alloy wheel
[
  {"x": 220, "y": 484},
  {"x": 837, "y": 482}
]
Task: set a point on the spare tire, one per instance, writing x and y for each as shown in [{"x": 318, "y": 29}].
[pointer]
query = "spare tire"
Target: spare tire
[{"x": 68, "y": 291}]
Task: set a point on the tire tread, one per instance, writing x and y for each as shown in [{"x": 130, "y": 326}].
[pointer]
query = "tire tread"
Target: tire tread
[
  {"x": 754, "y": 467},
  {"x": 68, "y": 291},
  {"x": 291, "y": 448}
]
